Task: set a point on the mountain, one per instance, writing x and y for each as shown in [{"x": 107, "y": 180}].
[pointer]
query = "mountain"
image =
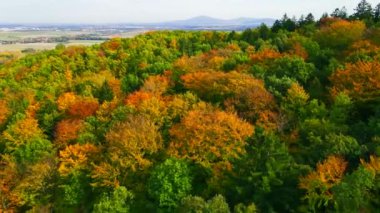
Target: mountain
[
  {"x": 205, "y": 22},
  {"x": 195, "y": 23}
]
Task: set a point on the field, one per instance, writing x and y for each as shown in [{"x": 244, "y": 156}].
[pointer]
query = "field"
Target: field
[
  {"x": 17, "y": 36},
  {"x": 45, "y": 46}
]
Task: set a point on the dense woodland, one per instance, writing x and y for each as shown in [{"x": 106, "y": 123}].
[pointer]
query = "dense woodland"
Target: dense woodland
[{"x": 280, "y": 119}]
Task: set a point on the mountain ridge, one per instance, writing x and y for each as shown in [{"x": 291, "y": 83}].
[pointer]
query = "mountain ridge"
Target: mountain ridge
[{"x": 211, "y": 21}]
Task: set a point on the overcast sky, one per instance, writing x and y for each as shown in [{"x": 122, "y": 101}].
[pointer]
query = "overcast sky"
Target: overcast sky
[{"x": 123, "y": 11}]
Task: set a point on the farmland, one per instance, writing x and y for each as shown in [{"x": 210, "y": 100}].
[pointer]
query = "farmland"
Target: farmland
[{"x": 16, "y": 40}]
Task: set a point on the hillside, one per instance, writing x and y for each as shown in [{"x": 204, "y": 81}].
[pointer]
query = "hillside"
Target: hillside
[{"x": 280, "y": 119}]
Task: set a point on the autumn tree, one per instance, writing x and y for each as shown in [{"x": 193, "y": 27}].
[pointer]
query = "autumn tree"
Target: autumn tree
[
  {"x": 353, "y": 193},
  {"x": 208, "y": 136},
  {"x": 132, "y": 142},
  {"x": 25, "y": 141},
  {"x": 265, "y": 55},
  {"x": 65, "y": 100},
  {"x": 360, "y": 81},
  {"x": 339, "y": 34},
  {"x": 28, "y": 188},
  {"x": 319, "y": 183},
  {"x": 76, "y": 157},
  {"x": 83, "y": 108},
  {"x": 67, "y": 130},
  {"x": 4, "y": 111},
  {"x": 9, "y": 178},
  {"x": 156, "y": 84},
  {"x": 242, "y": 92}
]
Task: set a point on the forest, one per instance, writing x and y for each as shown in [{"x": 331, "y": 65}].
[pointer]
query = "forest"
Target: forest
[{"x": 272, "y": 119}]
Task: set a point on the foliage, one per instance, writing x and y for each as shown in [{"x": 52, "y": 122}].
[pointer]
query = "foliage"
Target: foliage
[
  {"x": 208, "y": 136},
  {"x": 198, "y": 204},
  {"x": 339, "y": 34},
  {"x": 132, "y": 141},
  {"x": 360, "y": 81},
  {"x": 273, "y": 119},
  {"x": 318, "y": 184},
  {"x": 116, "y": 202},
  {"x": 170, "y": 182}
]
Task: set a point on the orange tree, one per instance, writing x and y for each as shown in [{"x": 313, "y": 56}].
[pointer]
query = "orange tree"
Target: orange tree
[
  {"x": 207, "y": 136},
  {"x": 242, "y": 92},
  {"x": 319, "y": 183},
  {"x": 360, "y": 81}
]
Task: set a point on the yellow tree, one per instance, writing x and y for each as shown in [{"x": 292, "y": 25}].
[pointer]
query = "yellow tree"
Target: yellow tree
[
  {"x": 4, "y": 111},
  {"x": 208, "y": 135},
  {"x": 65, "y": 100},
  {"x": 340, "y": 34},
  {"x": 76, "y": 157},
  {"x": 130, "y": 143},
  {"x": 373, "y": 165},
  {"x": 21, "y": 132},
  {"x": 8, "y": 181}
]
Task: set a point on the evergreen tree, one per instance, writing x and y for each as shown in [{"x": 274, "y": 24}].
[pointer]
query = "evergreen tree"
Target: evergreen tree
[
  {"x": 340, "y": 13},
  {"x": 363, "y": 11},
  {"x": 376, "y": 13}
]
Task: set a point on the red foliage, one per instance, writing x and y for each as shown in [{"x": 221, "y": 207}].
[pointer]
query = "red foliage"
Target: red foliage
[
  {"x": 299, "y": 50},
  {"x": 67, "y": 130},
  {"x": 83, "y": 108},
  {"x": 136, "y": 98},
  {"x": 113, "y": 44},
  {"x": 264, "y": 55},
  {"x": 72, "y": 51}
]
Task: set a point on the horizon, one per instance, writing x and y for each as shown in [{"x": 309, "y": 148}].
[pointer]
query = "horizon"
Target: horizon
[
  {"x": 136, "y": 23},
  {"x": 98, "y": 12}
]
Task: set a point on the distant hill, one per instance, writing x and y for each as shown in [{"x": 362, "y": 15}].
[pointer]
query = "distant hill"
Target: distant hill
[
  {"x": 195, "y": 23},
  {"x": 206, "y": 22}
]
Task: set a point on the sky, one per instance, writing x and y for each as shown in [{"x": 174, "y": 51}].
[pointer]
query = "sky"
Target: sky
[{"x": 148, "y": 11}]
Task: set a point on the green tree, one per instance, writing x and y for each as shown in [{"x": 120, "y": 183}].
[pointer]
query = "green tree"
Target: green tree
[
  {"x": 170, "y": 182},
  {"x": 118, "y": 201},
  {"x": 363, "y": 11},
  {"x": 352, "y": 194},
  {"x": 104, "y": 93},
  {"x": 195, "y": 204},
  {"x": 376, "y": 14},
  {"x": 265, "y": 174},
  {"x": 130, "y": 83}
]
